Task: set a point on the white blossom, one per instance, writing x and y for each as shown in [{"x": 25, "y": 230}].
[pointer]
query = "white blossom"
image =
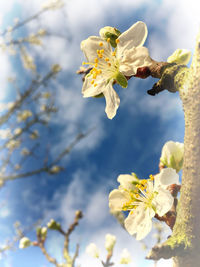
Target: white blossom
[
  {"x": 24, "y": 115},
  {"x": 172, "y": 155},
  {"x": 12, "y": 144},
  {"x": 125, "y": 257},
  {"x": 143, "y": 201},
  {"x": 5, "y": 133},
  {"x": 92, "y": 250},
  {"x": 112, "y": 66},
  {"x": 18, "y": 131}
]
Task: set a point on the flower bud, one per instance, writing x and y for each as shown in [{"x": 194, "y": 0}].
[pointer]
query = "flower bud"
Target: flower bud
[
  {"x": 180, "y": 56},
  {"x": 55, "y": 169},
  {"x": 41, "y": 233},
  {"x": 110, "y": 34},
  {"x": 24, "y": 242},
  {"x": 125, "y": 257},
  {"x": 53, "y": 225},
  {"x": 172, "y": 155},
  {"x": 44, "y": 232},
  {"x": 110, "y": 242}
]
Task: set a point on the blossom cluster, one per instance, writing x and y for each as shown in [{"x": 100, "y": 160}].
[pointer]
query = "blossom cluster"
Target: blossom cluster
[{"x": 144, "y": 198}]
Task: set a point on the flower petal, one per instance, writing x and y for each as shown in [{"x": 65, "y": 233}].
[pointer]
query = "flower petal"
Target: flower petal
[
  {"x": 135, "y": 36},
  {"x": 163, "y": 201},
  {"x": 127, "y": 181},
  {"x": 139, "y": 222},
  {"x": 133, "y": 59},
  {"x": 166, "y": 177},
  {"x": 112, "y": 100},
  {"x": 91, "y": 45},
  {"x": 117, "y": 199},
  {"x": 89, "y": 89}
]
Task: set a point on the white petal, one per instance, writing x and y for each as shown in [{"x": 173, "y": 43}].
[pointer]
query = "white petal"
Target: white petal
[
  {"x": 112, "y": 100},
  {"x": 163, "y": 201},
  {"x": 117, "y": 199},
  {"x": 133, "y": 37},
  {"x": 166, "y": 177},
  {"x": 127, "y": 181},
  {"x": 89, "y": 89},
  {"x": 91, "y": 45},
  {"x": 133, "y": 59},
  {"x": 139, "y": 222}
]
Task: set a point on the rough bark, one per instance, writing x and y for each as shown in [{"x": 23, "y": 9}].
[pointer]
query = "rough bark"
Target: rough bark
[{"x": 187, "y": 227}]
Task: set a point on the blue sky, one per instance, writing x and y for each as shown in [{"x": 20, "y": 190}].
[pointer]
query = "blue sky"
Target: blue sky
[{"x": 131, "y": 142}]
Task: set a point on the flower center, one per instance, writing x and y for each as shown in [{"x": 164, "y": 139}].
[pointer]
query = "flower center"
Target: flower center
[
  {"x": 142, "y": 194},
  {"x": 105, "y": 64}
]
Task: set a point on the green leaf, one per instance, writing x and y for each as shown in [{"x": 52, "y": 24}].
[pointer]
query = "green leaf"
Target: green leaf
[{"x": 121, "y": 80}]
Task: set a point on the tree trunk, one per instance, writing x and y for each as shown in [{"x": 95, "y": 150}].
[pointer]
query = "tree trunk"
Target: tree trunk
[{"x": 187, "y": 226}]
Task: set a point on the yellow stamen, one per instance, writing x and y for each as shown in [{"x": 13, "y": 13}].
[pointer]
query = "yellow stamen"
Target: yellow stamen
[
  {"x": 151, "y": 177},
  {"x": 102, "y": 51},
  {"x": 95, "y": 65},
  {"x": 94, "y": 76},
  {"x": 113, "y": 53},
  {"x": 99, "y": 72},
  {"x": 117, "y": 41},
  {"x": 95, "y": 84},
  {"x": 92, "y": 81},
  {"x": 96, "y": 60},
  {"x": 109, "y": 64},
  {"x": 100, "y": 55},
  {"x": 100, "y": 44},
  {"x": 108, "y": 40}
]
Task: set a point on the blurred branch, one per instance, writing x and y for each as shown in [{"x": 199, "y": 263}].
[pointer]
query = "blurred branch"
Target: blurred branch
[{"x": 66, "y": 151}]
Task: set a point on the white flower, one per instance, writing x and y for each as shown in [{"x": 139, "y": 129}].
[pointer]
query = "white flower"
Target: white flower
[
  {"x": 125, "y": 257},
  {"x": 17, "y": 131},
  {"x": 112, "y": 66},
  {"x": 172, "y": 155},
  {"x": 5, "y": 133},
  {"x": 110, "y": 242},
  {"x": 92, "y": 250},
  {"x": 24, "y": 242},
  {"x": 24, "y": 115},
  {"x": 13, "y": 144},
  {"x": 149, "y": 197}
]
